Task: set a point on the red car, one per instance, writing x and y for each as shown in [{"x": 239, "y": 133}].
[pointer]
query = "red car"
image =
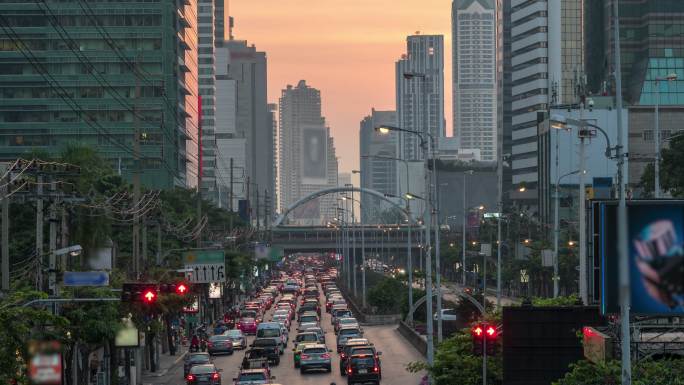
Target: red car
[{"x": 247, "y": 325}]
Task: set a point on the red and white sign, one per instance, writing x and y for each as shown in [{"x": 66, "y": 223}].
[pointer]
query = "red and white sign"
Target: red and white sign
[{"x": 46, "y": 368}]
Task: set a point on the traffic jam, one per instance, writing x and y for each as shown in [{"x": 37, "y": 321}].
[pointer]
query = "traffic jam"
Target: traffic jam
[{"x": 286, "y": 317}]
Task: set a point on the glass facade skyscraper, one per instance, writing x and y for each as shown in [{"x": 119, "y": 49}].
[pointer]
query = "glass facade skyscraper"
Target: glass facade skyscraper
[
  {"x": 93, "y": 73},
  {"x": 652, "y": 47}
]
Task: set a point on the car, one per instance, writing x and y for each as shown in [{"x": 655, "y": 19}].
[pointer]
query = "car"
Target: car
[
  {"x": 310, "y": 306},
  {"x": 363, "y": 368},
  {"x": 346, "y": 333},
  {"x": 319, "y": 331},
  {"x": 344, "y": 354},
  {"x": 272, "y": 330},
  {"x": 271, "y": 346},
  {"x": 255, "y": 358},
  {"x": 299, "y": 346},
  {"x": 253, "y": 377},
  {"x": 193, "y": 359},
  {"x": 339, "y": 313},
  {"x": 206, "y": 374},
  {"x": 220, "y": 344},
  {"x": 237, "y": 337},
  {"x": 345, "y": 322},
  {"x": 315, "y": 357},
  {"x": 247, "y": 325},
  {"x": 447, "y": 315},
  {"x": 309, "y": 316},
  {"x": 352, "y": 350},
  {"x": 310, "y": 337},
  {"x": 303, "y": 326}
]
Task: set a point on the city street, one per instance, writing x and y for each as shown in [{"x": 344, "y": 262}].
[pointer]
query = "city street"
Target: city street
[{"x": 396, "y": 354}]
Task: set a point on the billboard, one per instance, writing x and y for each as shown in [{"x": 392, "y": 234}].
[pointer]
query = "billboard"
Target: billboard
[
  {"x": 314, "y": 155},
  {"x": 655, "y": 255}
]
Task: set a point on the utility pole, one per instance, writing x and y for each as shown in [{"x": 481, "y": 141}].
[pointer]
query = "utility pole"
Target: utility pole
[
  {"x": 136, "y": 176},
  {"x": 159, "y": 244},
  {"x": 144, "y": 241},
  {"x": 249, "y": 204},
  {"x": 52, "y": 263},
  {"x": 256, "y": 191},
  {"x": 624, "y": 293},
  {"x": 39, "y": 229},
  {"x": 4, "y": 232},
  {"x": 582, "y": 215},
  {"x": 230, "y": 194},
  {"x": 199, "y": 172}
]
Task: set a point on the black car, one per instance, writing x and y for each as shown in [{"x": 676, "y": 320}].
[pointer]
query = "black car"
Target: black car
[
  {"x": 309, "y": 306},
  {"x": 270, "y": 347},
  {"x": 354, "y": 350},
  {"x": 363, "y": 368},
  {"x": 204, "y": 375},
  {"x": 193, "y": 359},
  {"x": 220, "y": 344}
]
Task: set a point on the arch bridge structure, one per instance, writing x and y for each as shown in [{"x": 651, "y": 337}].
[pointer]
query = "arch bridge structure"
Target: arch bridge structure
[{"x": 381, "y": 239}]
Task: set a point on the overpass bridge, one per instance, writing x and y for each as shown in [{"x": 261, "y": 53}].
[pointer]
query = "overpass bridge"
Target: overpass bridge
[{"x": 393, "y": 240}]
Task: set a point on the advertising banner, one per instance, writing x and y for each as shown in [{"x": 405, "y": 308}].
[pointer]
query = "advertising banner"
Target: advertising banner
[
  {"x": 314, "y": 155},
  {"x": 656, "y": 256}
]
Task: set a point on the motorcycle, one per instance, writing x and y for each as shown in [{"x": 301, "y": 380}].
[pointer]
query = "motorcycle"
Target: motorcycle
[{"x": 203, "y": 345}]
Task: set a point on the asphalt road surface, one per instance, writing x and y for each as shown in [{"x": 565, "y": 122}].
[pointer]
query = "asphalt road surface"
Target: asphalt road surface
[{"x": 396, "y": 354}]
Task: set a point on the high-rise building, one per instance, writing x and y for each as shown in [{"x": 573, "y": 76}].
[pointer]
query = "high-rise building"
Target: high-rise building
[
  {"x": 306, "y": 152},
  {"x": 247, "y": 67},
  {"x": 273, "y": 122},
  {"x": 420, "y": 91},
  {"x": 378, "y": 168},
  {"x": 547, "y": 61},
  {"x": 475, "y": 88},
  {"x": 651, "y": 46},
  {"x": 95, "y": 73}
]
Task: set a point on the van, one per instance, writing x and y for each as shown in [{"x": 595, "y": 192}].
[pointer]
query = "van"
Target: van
[{"x": 274, "y": 331}]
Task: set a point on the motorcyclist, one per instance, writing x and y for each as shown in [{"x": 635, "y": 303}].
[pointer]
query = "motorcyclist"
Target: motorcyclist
[{"x": 194, "y": 343}]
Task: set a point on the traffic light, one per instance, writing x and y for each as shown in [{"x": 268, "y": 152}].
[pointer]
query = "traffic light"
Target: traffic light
[
  {"x": 179, "y": 288},
  {"x": 484, "y": 332},
  {"x": 139, "y": 292}
]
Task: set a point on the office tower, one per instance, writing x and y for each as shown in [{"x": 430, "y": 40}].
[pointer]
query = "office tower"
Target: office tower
[
  {"x": 379, "y": 169},
  {"x": 247, "y": 67},
  {"x": 136, "y": 72},
  {"x": 420, "y": 91},
  {"x": 505, "y": 99},
  {"x": 652, "y": 46},
  {"x": 546, "y": 61},
  {"x": 273, "y": 123},
  {"x": 306, "y": 153},
  {"x": 475, "y": 88}
]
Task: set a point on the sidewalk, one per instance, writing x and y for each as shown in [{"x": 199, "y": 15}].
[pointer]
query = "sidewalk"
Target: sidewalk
[{"x": 166, "y": 363}]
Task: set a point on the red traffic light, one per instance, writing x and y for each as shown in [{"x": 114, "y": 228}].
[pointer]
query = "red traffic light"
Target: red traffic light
[
  {"x": 477, "y": 331},
  {"x": 491, "y": 331},
  {"x": 181, "y": 289},
  {"x": 149, "y": 295}
]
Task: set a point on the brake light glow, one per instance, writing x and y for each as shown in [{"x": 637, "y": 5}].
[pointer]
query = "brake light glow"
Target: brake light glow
[
  {"x": 191, "y": 377},
  {"x": 304, "y": 356},
  {"x": 215, "y": 376},
  {"x": 326, "y": 356},
  {"x": 376, "y": 369},
  {"x": 349, "y": 370}
]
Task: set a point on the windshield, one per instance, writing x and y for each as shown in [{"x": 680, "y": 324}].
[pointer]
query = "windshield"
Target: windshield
[
  {"x": 307, "y": 337},
  {"x": 199, "y": 358},
  {"x": 308, "y": 318},
  {"x": 348, "y": 321},
  {"x": 219, "y": 338},
  {"x": 252, "y": 377},
  {"x": 363, "y": 361},
  {"x": 314, "y": 351},
  {"x": 264, "y": 342},
  {"x": 202, "y": 369},
  {"x": 233, "y": 333},
  {"x": 348, "y": 332},
  {"x": 361, "y": 351},
  {"x": 268, "y": 333},
  {"x": 247, "y": 320}
]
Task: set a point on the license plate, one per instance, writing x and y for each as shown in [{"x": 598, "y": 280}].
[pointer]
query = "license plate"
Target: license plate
[{"x": 363, "y": 371}]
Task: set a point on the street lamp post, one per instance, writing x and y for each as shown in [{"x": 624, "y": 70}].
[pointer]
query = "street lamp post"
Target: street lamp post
[
  {"x": 428, "y": 221},
  {"x": 409, "y": 257},
  {"x": 465, "y": 219},
  {"x": 668, "y": 78},
  {"x": 556, "y": 234}
]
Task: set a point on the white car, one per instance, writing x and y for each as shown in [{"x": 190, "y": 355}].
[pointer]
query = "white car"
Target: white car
[{"x": 447, "y": 315}]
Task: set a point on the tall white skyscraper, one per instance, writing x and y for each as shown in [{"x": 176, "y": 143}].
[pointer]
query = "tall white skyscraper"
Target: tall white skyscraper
[
  {"x": 474, "y": 79},
  {"x": 420, "y": 91},
  {"x": 547, "y": 58},
  {"x": 307, "y": 154}
]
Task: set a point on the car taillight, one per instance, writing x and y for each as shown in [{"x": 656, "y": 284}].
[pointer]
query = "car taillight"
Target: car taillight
[
  {"x": 326, "y": 356},
  {"x": 191, "y": 377},
  {"x": 376, "y": 369},
  {"x": 349, "y": 370},
  {"x": 209, "y": 344},
  {"x": 304, "y": 356},
  {"x": 215, "y": 376},
  {"x": 342, "y": 356}
]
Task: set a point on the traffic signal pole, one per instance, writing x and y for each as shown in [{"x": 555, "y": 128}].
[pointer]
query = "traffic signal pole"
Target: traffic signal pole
[{"x": 484, "y": 360}]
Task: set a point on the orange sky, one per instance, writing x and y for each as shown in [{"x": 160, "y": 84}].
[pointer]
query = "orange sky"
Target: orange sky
[{"x": 345, "y": 48}]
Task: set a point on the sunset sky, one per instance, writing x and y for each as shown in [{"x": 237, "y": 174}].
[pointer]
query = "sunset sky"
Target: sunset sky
[{"x": 345, "y": 48}]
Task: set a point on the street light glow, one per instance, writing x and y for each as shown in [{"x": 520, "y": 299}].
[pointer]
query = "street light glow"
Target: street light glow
[{"x": 383, "y": 130}]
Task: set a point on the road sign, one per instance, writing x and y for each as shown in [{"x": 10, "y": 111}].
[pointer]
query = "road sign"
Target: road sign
[
  {"x": 206, "y": 272},
  {"x": 86, "y": 278},
  {"x": 198, "y": 257}
]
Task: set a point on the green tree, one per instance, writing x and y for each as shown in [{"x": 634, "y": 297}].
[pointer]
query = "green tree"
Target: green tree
[
  {"x": 645, "y": 372},
  {"x": 671, "y": 170}
]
